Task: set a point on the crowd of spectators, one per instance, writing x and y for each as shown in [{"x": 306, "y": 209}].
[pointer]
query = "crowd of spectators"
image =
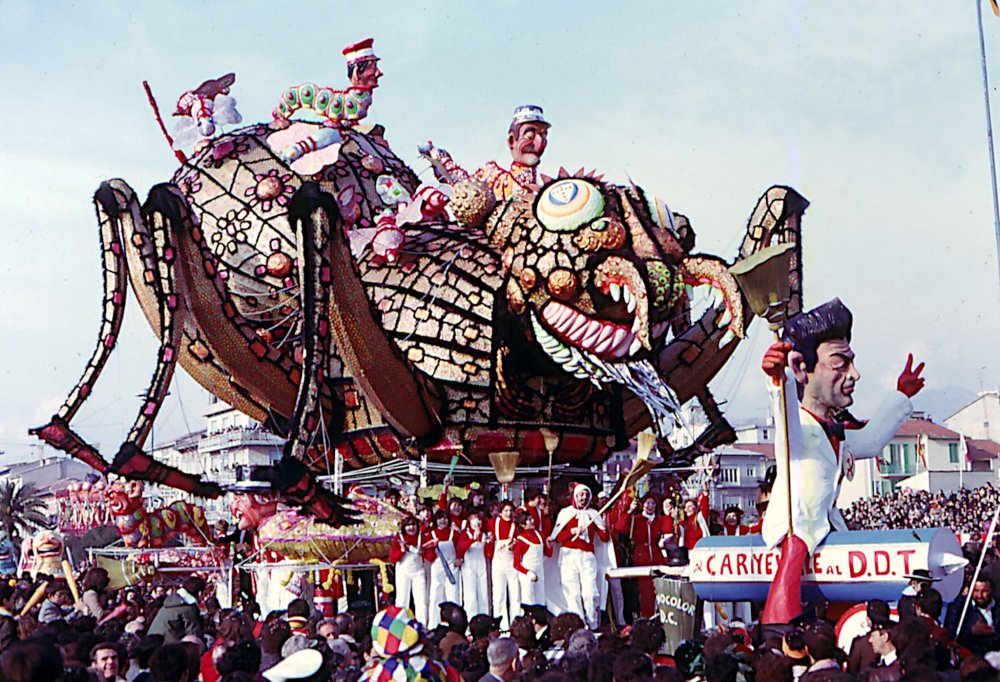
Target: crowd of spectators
[{"x": 963, "y": 511}]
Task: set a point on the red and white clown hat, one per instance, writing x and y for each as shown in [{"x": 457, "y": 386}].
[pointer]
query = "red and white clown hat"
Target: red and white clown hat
[
  {"x": 572, "y": 491},
  {"x": 360, "y": 51}
]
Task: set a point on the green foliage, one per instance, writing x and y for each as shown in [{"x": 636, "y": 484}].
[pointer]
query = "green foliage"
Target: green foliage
[{"x": 22, "y": 510}]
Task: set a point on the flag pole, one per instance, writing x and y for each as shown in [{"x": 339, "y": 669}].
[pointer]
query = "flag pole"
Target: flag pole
[{"x": 989, "y": 132}]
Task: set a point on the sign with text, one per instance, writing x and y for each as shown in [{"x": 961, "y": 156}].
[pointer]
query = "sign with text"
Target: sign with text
[{"x": 847, "y": 566}]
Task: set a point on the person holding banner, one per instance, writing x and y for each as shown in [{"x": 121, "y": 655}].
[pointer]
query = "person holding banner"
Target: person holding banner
[{"x": 822, "y": 440}]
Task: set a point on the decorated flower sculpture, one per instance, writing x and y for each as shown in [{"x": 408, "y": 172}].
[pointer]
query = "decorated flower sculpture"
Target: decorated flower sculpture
[{"x": 578, "y": 307}]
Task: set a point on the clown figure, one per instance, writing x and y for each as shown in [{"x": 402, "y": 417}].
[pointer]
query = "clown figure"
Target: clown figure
[{"x": 576, "y": 529}]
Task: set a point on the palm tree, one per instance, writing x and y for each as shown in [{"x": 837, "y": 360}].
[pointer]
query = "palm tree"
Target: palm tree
[{"x": 22, "y": 510}]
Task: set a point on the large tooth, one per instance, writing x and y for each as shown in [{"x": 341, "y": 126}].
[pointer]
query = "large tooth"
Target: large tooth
[
  {"x": 562, "y": 355},
  {"x": 725, "y": 318},
  {"x": 726, "y": 338},
  {"x": 579, "y": 323},
  {"x": 564, "y": 325},
  {"x": 593, "y": 329},
  {"x": 717, "y": 297},
  {"x": 607, "y": 331},
  {"x": 630, "y": 303},
  {"x": 626, "y": 294},
  {"x": 635, "y": 325},
  {"x": 689, "y": 292},
  {"x": 635, "y": 347},
  {"x": 559, "y": 314},
  {"x": 615, "y": 290},
  {"x": 621, "y": 345},
  {"x": 603, "y": 346}
]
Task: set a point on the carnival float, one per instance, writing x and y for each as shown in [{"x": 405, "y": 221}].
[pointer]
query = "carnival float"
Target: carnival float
[{"x": 301, "y": 272}]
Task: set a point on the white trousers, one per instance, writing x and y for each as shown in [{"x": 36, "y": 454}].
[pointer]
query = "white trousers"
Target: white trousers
[
  {"x": 506, "y": 590},
  {"x": 475, "y": 586},
  {"x": 579, "y": 578},
  {"x": 442, "y": 590},
  {"x": 411, "y": 581}
]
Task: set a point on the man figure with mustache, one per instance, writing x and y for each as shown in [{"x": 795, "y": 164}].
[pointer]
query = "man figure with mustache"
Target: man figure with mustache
[
  {"x": 823, "y": 442},
  {"x": 527, "y": 138}
]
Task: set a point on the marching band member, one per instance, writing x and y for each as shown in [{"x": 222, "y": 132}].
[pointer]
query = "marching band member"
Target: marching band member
[
  {"x": 475, "y": 571},
  {"x": 576, "y": 528},
  {"x": 449, "y": 546},
  {"x": 644, "y": 528},
  {"x": 410, "y": 550},
  {"x": 499, "y": 549},
  {"x": 530, "y": 549}
]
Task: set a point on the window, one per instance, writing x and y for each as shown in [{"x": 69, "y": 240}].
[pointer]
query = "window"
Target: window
[
  {"x": 729, "y": 475},
  {"x": 751, "y": 471},
  {"x": 764, "y": 434},
  {"x": 953, "y": 453}
]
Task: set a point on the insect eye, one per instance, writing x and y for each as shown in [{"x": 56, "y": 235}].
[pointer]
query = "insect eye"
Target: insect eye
[{"x": 567, "y": 204}]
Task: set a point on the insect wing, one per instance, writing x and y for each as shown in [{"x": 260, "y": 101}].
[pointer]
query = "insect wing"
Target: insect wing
[
  {"x": 225, "y": 111},
  {"x": 185, "y": 132}
]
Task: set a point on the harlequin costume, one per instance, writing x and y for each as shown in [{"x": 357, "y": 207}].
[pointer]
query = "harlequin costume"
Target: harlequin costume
[
  {"x": 506, "y": 588},
  {"x": 530, "y": 550},
  {"x": 410, "y": 556},
  {"x": 451, "y": 547},
  {"x": 398, "y": 645},
  {"x": 577, "y": 563}
]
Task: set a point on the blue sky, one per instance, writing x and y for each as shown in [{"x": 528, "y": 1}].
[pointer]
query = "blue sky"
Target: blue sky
[{"x": 873, "y": 111}]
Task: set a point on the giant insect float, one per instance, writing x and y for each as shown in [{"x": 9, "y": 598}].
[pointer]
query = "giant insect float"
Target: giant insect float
[{"x": 567, "y": 310}]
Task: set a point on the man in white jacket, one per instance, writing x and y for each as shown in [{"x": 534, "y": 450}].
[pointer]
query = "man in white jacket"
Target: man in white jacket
[{"x": 824, "y": 440}]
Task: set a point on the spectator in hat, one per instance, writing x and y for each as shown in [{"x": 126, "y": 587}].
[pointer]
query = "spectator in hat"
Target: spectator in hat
[
  {"x": 539, "y": 617},
  {"x": 919, "y": 581},
  {"x": 886, "y": 667},
  {"x": 861, "y": 655}
]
